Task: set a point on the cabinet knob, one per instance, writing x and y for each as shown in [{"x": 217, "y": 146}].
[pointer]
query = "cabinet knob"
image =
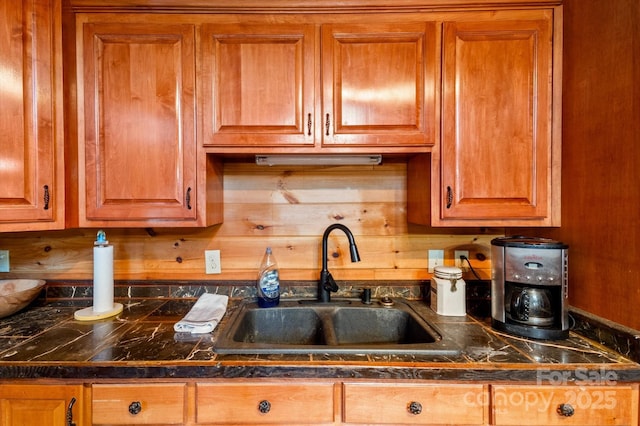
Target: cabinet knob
[
  {"x": 565, "y": 410},
  {"x": 135, "y": 407},
  {"x": 414, "y": 408},
  {"x": 309, "y": 123},
  {"x": 449, "y": 197},
  {"x": 264, "y": 406}
]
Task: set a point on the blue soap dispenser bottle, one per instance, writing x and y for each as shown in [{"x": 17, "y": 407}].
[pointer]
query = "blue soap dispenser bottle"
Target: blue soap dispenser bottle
[{"x": 268, "y": 283}]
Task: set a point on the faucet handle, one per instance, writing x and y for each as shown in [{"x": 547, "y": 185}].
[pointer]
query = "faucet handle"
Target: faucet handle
[{"x": 329, "y": 283}]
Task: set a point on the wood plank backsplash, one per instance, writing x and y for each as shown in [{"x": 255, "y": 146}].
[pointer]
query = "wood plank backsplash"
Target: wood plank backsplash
[{"x": 287, "y": 208}]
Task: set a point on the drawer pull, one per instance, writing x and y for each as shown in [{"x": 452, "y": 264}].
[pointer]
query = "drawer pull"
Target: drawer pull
[
  {"x": 264, "y": 406},
  {"x": 565, "y": 410},
  {"x": 135, "y": 407},
  {"x": 69, "y": 416},
  {"x": 188, "y": 198},
  {"x": 47, "y": 197},
  {"x": 414, "y": 408}
]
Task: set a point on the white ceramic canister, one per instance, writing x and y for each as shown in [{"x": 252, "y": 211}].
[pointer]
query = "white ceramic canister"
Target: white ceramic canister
[{"x": 448, "y": 291}]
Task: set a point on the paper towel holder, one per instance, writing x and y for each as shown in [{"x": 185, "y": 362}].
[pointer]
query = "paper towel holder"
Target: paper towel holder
[{"x": 103, "y": 251}]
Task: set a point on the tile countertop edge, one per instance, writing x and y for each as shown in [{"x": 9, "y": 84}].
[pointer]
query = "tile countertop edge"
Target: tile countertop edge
[{"x": 556, "y": 374}]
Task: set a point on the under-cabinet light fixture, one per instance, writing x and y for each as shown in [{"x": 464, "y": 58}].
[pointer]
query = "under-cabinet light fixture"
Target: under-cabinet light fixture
[{"x": 319, "y": 160}]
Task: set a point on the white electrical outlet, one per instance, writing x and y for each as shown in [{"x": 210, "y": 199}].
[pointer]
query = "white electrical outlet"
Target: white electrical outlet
[
  {"x": 212, "y": 261},
  {"x": 436, "y": 258},
  {"x": 459, "y": 262},
  {"x": 4, "y": 260}
]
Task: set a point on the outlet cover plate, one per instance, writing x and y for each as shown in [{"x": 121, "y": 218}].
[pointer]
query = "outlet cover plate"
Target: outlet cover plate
[
  {"x": 460, "y": 263},
  {"x": 212, "y": 261},
  {"x": 4, "y": 260},
  {"x": 436, "y": 258}
]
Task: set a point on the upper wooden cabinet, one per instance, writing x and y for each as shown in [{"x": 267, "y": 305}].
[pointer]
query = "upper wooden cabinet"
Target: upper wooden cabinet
[
  {"x": 379, "y": 84},
  {"x": 31, "y": 157},
  {"x": 498, "y": 163},
  {"x": 140, "y": 164},
  {"x": 262, "y": 85},
  {"x": 258, "y": 85}
]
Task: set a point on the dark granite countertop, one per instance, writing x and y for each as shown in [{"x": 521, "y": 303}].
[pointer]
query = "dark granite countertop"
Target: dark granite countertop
[{"x": 45, "y": 341}]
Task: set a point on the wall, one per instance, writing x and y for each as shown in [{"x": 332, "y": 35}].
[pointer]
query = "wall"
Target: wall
[
  {"x": 601, "y": 157},
  {"x": 285, "y": 208}
]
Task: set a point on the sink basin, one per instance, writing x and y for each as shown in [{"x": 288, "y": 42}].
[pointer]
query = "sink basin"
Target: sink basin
[
  {"x": 288, "y": 326},
  {"x": 376, "y": 326},
  {"x": 341, "y": 326}
]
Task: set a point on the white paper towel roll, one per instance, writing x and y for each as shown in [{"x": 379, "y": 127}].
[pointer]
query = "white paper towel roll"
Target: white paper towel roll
[{"x": 102, "y": 278}]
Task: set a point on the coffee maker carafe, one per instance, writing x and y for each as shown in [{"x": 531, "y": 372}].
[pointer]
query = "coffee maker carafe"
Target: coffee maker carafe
[{"x": 529, "y": 287}]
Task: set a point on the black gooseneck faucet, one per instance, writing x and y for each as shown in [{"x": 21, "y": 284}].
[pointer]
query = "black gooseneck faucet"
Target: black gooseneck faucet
[{"x": 327, "y": 284}]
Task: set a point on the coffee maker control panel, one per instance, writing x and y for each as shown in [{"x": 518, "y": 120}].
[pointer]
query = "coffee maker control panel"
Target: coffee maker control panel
[{"x": 537, "y": 267}]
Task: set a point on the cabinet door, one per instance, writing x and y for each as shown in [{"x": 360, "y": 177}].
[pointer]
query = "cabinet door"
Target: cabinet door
[
  {"x": 497, "y": 159},
  {"x": 433, "y": 404},
  {"x": 258, "y": 85},
  {"x": 31, "y": 157},
  {"x": 137, "y": 130},
  {"x": 43, "y": 405},
  {"x": 379, "y": 84},
  {"x": 565, "y": 405}
]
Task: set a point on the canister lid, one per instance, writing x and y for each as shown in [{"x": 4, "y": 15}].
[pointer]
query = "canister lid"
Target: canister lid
[{"x": 447, "y": 272}]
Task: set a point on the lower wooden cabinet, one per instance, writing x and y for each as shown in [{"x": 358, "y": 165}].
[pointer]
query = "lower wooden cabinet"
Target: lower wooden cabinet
[
  {"x": 434, "y": 404},
  {"x": 136, "y": 404},
  {"x": 564, "y": 405},
  {"x": 42, "y": 405},
  {"x": 256, "y": 402},
  {"x": 315, "y": 402}
]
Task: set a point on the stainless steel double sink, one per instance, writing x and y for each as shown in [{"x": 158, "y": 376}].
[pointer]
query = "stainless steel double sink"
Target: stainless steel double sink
[{"x": 340, "y": 326}]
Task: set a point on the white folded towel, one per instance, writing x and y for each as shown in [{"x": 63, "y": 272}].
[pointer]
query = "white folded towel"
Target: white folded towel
[{"x": 204, "y": 316}]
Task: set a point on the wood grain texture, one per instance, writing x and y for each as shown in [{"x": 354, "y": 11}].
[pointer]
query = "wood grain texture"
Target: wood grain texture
[
  {"x": 369, "y": 403},
  {"x": 601, "y": 177},
  {"x": 302, "y": 5},
  {"x": 160, "y": 403},
  {"x": 289, "y": 403},
  {"x": 31, "y": 155},
  {"x": 285, "y": 208},
  {"x": 138, "y": 150},
  {"x": 497, "y": 142}
]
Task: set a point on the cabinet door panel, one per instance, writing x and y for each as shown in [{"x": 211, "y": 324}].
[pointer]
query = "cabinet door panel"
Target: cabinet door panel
[
  {"x": 258, "y": 85},
  {"x": 42, "y": 405},
  {"x": 379, "y": 84},
  {"x": 31, "y": 166},
  {"x": 496, "y": 144},
  {"x": 139, "y": 122}
]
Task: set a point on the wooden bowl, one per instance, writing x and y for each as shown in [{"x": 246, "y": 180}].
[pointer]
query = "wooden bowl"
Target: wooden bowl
[{"x": 17, "y": 294}]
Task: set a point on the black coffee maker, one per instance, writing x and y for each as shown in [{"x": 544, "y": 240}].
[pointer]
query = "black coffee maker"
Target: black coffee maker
[{"x": 529, "y": 287}]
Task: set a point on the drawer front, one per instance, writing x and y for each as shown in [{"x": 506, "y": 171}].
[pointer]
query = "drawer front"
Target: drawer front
[
  {"x": 415, "y": 404},
  {"x": 139, "y": 404},
  {"x": 260, "y": 403},
  {"x": 564, "y": 405}
]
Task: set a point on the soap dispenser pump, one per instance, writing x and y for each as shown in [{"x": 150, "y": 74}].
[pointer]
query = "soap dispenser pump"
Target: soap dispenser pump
[{"x": 103, "y": 306}]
